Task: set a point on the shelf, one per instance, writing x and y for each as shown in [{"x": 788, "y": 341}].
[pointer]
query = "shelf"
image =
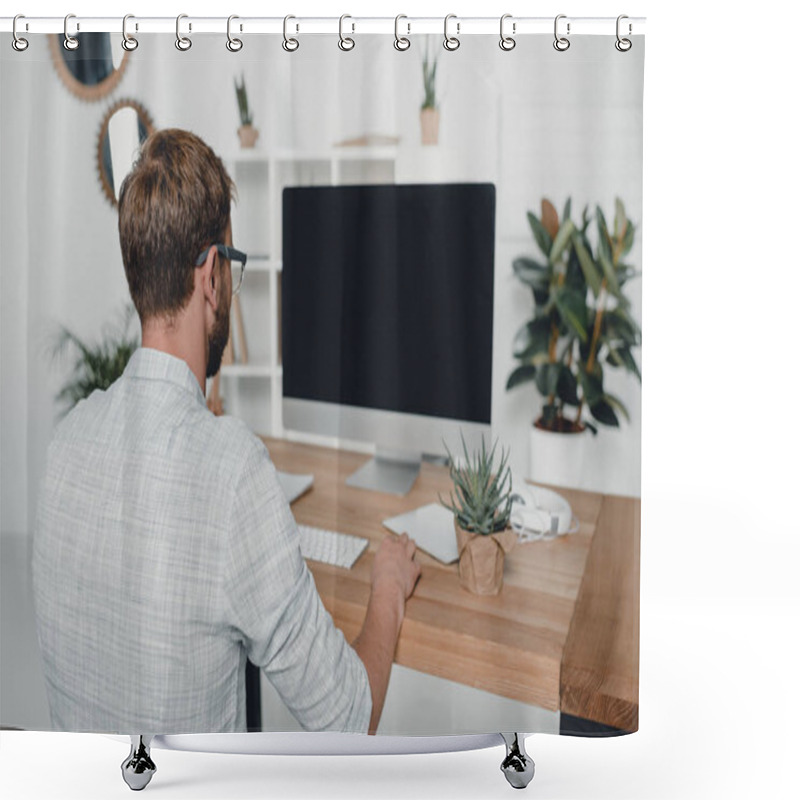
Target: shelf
[
  {"x": 376, "y": 153},
  {"x": 255, "y": 391},
  {"x": 250, "y": 371},
  {"x": 263, "y": 264},
  {"x": 248, "y": 154}
]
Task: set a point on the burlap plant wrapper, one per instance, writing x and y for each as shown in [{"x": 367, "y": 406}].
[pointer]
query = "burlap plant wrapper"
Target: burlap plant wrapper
[{"x": 481, "y": 559}]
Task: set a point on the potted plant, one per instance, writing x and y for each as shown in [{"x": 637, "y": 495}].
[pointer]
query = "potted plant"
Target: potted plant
[
  {"x": 247, "y": 133},
  {"x": 96, "y": 366},
  {"x": 581, "y": 326},
  {"x": 481, "y": 507},
  {"x": 429, "y": 113}
]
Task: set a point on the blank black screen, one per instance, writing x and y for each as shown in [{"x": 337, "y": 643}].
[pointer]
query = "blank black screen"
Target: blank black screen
[{"x": 387, "y": 298}]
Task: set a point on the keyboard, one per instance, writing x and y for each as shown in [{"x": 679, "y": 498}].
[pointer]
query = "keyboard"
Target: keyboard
[{"x": 330, "y": 547}]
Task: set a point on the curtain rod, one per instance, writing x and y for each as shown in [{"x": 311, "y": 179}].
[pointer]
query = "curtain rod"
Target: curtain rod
[{"x": 408, "y": 26}]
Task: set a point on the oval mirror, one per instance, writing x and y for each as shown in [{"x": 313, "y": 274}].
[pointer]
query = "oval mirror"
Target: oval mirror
[
  {"x": 123, "y": 129},
  {"x": 92, "y": 70}
]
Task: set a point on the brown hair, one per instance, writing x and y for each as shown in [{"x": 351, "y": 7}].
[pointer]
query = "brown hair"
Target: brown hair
[{"x": 175, "y": 202}]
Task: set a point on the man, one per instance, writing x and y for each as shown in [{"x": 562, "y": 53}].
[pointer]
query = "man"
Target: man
[{"x": 165, "y": 552}]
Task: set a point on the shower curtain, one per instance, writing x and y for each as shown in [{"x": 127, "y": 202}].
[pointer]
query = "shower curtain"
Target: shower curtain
[{"x": 362, "y": 165}]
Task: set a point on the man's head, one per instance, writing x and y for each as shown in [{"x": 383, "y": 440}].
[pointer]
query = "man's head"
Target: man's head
[{"x": 175, "y": 202}]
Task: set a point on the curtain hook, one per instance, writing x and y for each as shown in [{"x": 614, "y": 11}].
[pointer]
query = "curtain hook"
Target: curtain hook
[
  {"x": 623, "y": 45},
  {"x": 451, "y": 42},
  {"x": 289, "y": 44},
  {"x": 18, "y": 43},
  {"x": 346, "y": 43},
  {"x": 70, "y": 42},
  {"x": 183, "y": 43},
  {"x": 128, "y": 42},
  {"x": 561, "y": 43},
  {"x": 507, "y": 42},
  {"x": 233, "y": 45},
  {"x": 401, "y": 42}
]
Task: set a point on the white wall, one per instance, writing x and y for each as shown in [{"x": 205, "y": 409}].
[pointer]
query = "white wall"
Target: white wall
[{"x": 546, "y": 124}]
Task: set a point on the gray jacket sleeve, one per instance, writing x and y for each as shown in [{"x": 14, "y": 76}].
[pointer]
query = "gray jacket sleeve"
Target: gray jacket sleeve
[{"x": 277, "y": 612}]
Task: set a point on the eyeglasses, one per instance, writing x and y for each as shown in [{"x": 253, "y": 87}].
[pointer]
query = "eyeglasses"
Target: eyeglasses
[{"x": 237, "y": 258}]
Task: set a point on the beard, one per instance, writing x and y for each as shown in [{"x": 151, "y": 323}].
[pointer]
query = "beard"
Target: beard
[{"x": 217, "y": 342}]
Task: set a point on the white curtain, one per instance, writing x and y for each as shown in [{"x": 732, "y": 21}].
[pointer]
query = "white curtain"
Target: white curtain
[{"x": 537, "y": 123}]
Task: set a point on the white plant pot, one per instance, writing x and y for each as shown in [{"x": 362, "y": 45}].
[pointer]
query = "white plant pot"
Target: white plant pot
[{"x": 557, "y": 458}]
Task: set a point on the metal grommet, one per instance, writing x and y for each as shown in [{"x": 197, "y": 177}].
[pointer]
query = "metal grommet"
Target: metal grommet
[
  {"x": 507, "y": 42},
  {"x": 623, "y": 45},
  {"x": 289, "y": 44},
  {"x": 128, "y": 42},
  {"x": 18, "y": 43},
  {"x": 451, "y": 42},
  {"x": 561, "y": 43},
  {"x": 346, "y": 42},
  {"x": 233, "y": 45},
  {"x": 183, "y": 43},
  {"x": 70, "y": 42},
  {"x": 401, "y": 42}
]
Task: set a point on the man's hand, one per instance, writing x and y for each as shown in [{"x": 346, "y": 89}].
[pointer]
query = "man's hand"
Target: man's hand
[
  {"x": 394, "y": 576},
  {"x": 394, "y": 569}
]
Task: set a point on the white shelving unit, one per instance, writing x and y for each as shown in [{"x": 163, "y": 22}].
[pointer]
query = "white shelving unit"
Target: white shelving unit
[{"x": 253, "y": 391}]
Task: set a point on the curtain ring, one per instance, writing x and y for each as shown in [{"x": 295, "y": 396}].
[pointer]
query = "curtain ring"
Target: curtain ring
[
  {"x": 289, "y": 44},
  {"x": 623, "y": 45},
  {"x": 128, "y": 42},
  {"x": 18, "y": 43},
  {"x": 507, "y": 42},
  {"x": 346, "y": 42},
  {"x": 233, "y": 45},
  {"x": 561, "y": 43},
  {"x": 401, "y": 42},
  {"x": 451, "y": 42},
  {"x": 70, "y": 42},
  {"x": 183, "y": 43}
]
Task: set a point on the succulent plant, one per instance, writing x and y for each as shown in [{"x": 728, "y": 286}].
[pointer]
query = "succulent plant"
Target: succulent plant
[
  {"x": 481, "y": 495},
  {"x": 245, "y": 116}
]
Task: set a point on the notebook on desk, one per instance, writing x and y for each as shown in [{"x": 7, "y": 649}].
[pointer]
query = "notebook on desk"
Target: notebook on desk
[
  {"x": 431, "y": 527},
  {"x": 294, "y": 486}
]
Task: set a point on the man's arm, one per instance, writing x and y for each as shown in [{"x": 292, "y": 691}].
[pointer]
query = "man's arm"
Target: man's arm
[{"x": 394, "y": 576}]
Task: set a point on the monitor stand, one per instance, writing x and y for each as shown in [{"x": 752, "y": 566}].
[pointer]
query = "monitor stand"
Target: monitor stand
[{"x": 390, "y": 471}]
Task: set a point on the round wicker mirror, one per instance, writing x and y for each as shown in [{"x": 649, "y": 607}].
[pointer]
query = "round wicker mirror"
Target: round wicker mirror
[
  {"x": 125, "y": 126},
  {"x": 93, "y": 69}
]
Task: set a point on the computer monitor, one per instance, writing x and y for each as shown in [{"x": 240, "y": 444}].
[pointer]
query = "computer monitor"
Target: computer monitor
[{"x": 387, "y": 314}]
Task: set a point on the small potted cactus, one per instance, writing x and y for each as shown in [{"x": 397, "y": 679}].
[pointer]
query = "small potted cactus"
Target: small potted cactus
[
  {"x": 481, "y": 506},
  {"x": 248, "y": 135}
]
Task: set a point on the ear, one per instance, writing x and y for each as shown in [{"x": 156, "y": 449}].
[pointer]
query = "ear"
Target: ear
[{"x": 210, "y": 279}]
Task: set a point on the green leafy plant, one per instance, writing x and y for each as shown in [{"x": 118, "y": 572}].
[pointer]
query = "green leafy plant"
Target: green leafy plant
[
  {"x": 96, "y": 366},
  {"x": 429, "y": 79},
  {"x": 482, "y": 499},
  {"x": 245, "y": 116},
  {"x": 582, "y": 319}
]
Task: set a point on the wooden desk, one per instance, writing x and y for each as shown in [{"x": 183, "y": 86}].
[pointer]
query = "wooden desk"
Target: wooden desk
[{"x": 562, "y": 634}]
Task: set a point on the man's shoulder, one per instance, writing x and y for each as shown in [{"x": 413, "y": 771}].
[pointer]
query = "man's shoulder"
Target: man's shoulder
[
  {"x": 185, "y": 428},
  {"x": 85, "y": 413},
  {"x": 232, "y": 435},
  {"x": 231, "y": 441}
]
